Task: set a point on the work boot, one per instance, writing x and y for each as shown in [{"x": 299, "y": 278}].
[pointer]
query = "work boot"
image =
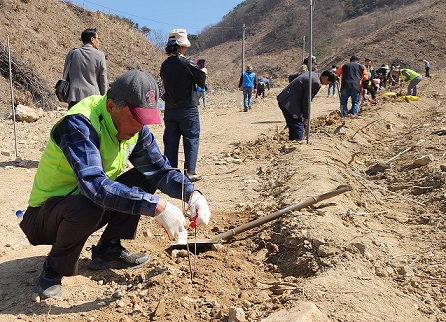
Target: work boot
[
  {"x": 113, "y": 255},
  {"x": 48, "y": 285}
]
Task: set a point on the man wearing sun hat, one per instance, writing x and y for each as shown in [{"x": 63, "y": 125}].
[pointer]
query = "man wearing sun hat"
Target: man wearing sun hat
[
  {"x": 78, "y": 187},
  {"x": 181, "y": 77},
  {"x": 410, "y": 76}
]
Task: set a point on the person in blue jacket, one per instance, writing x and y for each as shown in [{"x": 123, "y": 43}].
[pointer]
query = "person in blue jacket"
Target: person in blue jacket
[
  {"x": 247, "y": 84},
  {"x": 202, "y": 94}
]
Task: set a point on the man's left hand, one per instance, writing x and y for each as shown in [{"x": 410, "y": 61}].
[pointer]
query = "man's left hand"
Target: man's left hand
[{"x": 199, "y": 210}]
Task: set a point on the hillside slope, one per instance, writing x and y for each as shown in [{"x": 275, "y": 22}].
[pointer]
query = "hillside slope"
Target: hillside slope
[
  {"x": 283, "y": 23},
  {"x": 41, "y": 32},
  {"x": 405, "y": 34}
]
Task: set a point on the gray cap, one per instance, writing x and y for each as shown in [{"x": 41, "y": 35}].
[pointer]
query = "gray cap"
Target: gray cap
[{"x": 140, "y": 91}]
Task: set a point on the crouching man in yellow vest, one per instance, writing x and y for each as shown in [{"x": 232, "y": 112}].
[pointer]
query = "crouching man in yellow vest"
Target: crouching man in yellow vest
[
  {"x": 410, "y": 76},
  {"x": 80, "y": 187}
]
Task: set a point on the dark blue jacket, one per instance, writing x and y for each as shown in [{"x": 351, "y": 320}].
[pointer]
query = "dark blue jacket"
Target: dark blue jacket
[{"x": 294, "y": 97}]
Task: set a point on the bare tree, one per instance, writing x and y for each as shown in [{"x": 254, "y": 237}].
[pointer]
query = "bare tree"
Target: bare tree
[
  {"x": 145, "y": 30},
  {"x": 157, "y": 38}
]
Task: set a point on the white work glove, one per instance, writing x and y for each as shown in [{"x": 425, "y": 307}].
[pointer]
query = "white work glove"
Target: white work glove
[
  {"x": 172, "y": 220},
  {"x": 199, "y": 210}
]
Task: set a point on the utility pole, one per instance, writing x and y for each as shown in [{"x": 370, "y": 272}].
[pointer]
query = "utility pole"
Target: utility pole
[
  {"x": 310, "y": 67},
  {"x": 243, "y": 48},
  {"x": 12, "y": 98}
]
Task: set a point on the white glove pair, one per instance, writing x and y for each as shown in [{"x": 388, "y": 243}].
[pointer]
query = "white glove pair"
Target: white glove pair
[{"x": 172, "y": 218}]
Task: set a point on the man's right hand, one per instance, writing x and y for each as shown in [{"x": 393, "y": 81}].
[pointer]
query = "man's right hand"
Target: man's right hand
[{"x": 172, "y": 220}]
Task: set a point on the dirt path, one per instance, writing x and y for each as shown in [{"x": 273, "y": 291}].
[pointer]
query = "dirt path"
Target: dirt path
[{"x": 368, "y": 255}]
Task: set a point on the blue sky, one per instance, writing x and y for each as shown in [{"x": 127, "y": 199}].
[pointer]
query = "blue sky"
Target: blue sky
[{"x": 165, "y": 15}]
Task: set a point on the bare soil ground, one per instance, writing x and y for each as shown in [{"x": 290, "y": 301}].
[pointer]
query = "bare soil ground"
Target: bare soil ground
[{"x": 373, "y": 254}]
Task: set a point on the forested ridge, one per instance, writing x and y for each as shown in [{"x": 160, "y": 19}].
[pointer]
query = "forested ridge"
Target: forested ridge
[{"x": 354, "y": 8}]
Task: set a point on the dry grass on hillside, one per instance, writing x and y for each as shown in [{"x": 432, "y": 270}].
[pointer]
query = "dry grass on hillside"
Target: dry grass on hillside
[
  {"x": 405, "y": 34},
  {"x": 41, "y": 33}
]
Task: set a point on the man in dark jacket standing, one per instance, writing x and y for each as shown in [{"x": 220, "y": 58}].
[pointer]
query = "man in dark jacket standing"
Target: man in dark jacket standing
[
  {"x": 293, "y": 100},
  {"x": 181, "y": 75},
  {"x": 86, "y": 69},
  {"x": 352, "y": 74}
]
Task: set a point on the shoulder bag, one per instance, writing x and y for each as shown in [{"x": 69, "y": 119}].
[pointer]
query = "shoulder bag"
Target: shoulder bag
[{"x": 62, "y": 86}]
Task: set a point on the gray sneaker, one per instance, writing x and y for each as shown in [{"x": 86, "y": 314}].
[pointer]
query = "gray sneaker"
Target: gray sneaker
[
  {"x": 114, "y": 255},
  {"x": 48, "y": 285}
]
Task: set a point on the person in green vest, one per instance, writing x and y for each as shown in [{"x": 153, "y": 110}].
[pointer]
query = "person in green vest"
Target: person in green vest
[
  {"x": 410, "y": 76},
  {"x": 80, "y": 185}
]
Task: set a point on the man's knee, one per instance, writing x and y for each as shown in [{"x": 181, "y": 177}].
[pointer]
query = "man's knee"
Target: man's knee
[{"x": 94, "y": 216}]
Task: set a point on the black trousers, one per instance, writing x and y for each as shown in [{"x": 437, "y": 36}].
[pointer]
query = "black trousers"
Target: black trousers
[
  {"x": 372, "y": 91},
  {"x": 296, "y": 127},
  {"x": 66, "y": 223}
]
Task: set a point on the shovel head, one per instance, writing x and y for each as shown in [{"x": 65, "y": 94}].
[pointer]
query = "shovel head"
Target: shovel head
[
  {"x": 200, "y": 244},
  {"x": 184, "y": 242}
]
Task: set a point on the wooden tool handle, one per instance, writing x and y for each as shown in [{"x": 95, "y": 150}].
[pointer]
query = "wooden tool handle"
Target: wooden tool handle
[{"x": 262, "y": 220}]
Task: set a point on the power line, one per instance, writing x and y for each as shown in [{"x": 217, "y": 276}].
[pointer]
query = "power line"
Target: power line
[
  {"x": 125, "y": 13},
  {"x": 148, "y": 19}
]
